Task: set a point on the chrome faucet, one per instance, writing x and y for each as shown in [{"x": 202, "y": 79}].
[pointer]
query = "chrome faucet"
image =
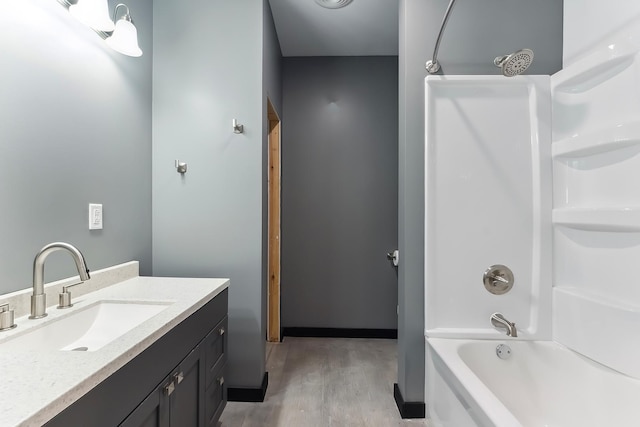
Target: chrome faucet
[
  {"x": 499, "y": 322},
  {"x": 38, "y": 299}
]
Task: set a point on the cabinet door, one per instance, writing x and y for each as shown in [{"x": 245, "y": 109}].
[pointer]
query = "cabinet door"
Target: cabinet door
[
  {"x": 152, "y": 412},
  {"x": 187, "y": 401}
]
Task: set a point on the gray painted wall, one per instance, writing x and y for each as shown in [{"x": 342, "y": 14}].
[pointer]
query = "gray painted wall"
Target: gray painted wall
[
  {"x": 75, "y": 128},
  {"x": 477, "y": 32},
  {"x": 207, "y": 70},
  {"x": 339, "y": 192}
]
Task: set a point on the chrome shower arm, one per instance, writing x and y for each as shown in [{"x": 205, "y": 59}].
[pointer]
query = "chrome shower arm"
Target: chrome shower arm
[{"x": 433, "y": 66}]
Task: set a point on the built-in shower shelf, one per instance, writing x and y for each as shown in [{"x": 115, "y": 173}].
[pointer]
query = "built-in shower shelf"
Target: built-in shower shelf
[
  {"x": 598, "y": 219},
  {"x": 601, "y": 141},
  {"x": 595, "y": 69}
]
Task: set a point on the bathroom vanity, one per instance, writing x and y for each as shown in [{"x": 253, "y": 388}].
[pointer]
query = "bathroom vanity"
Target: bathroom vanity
[
  {"x": 177, "y": 381},
  {"x": 166, "y": 371}
]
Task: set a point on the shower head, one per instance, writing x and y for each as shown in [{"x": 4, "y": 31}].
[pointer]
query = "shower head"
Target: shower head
[{"x": 515, "y": 63}]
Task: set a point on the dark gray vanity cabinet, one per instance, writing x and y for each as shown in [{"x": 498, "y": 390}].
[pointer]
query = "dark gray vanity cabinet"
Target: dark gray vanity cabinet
[
  {"x": 176, "y": 401},
  {"x": 177, "y": 382},
  {"x": 193, "y": 394}
]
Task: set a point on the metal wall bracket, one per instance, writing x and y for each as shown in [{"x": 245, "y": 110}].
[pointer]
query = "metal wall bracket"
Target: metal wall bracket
[
  {"x": 181, "y": 167},
  {"x": 237, "y": 128}
]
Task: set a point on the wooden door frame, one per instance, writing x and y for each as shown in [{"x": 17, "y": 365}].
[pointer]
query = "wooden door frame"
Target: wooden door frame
[{"x": 274, "y": 226}]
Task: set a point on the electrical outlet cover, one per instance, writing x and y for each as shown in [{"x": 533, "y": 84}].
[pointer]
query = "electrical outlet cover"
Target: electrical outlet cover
[{"x": 95, "y": 216}]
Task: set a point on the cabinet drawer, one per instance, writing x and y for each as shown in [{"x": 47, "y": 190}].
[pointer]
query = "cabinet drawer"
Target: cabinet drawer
[
  {"x": 215, "y": 351},
  {"x": 215, "y": 398}
]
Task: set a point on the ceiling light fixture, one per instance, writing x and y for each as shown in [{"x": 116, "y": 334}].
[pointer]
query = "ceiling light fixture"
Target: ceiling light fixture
[{"x": 333, "y": 4}]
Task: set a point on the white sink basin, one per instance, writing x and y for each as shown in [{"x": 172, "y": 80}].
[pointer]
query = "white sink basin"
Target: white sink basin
[{"x": 85, "y": 329}]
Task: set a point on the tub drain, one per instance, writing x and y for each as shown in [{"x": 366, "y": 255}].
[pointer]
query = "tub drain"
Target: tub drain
[
  {"x": 503, "y": 351},
  {"x": 80, "y": 349}
]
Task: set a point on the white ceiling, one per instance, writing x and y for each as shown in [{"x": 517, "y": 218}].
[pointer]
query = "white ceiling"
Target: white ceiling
[{"x": 362, "y": 28}]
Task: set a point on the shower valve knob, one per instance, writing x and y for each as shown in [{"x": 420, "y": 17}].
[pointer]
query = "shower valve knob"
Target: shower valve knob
[{"x": 498, "y": 279}]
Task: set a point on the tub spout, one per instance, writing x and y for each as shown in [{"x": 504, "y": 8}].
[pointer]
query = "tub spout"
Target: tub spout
[{"x": 499, "y": 322}]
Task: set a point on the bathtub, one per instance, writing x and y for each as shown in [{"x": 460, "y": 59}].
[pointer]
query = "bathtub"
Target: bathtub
[{"x": 542, "y": 384}]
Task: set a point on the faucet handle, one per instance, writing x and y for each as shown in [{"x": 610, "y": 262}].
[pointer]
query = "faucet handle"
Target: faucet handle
[
  {"x": 6, "y": 318},
  {"x": 64, "y": 297}
]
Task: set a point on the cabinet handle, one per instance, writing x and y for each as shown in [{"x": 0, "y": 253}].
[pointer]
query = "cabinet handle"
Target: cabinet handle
[
  {"x": 221, "y": 331},
  {"x": 221, "y": 380},
  {"x": 169, "y": 388},
  {"x": 178, "y": 377}
]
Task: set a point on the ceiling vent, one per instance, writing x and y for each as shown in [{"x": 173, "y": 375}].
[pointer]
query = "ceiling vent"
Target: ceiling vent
[{"x": 333, "y": 4}]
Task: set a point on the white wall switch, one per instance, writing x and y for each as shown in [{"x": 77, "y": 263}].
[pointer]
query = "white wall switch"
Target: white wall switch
[{"x": 95, "y": 216}]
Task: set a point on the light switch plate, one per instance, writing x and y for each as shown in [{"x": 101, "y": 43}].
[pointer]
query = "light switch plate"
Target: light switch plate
[{"x": 95, "y": 216}]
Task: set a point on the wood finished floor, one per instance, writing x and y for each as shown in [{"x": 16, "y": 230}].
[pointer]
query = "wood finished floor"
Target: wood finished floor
[{"x": 325, "y": 382}]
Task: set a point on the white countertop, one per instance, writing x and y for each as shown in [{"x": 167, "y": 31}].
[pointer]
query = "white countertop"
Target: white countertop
[{"x": 36, "y": 386}]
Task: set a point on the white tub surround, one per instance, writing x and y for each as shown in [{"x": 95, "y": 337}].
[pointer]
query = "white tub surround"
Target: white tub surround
[
  {"x": 488, "y": 201},
  {"x": 39, "y": 385},
  {"x": 541, "y": 383},
  {"x": 596, "y": 166},
  {"x": 589, "y": 23},
  {"x": 596, "y": 244}
]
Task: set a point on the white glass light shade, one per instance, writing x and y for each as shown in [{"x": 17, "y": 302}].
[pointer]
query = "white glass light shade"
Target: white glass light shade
[
  {"x": 94, "y": 13},
  {"x": 125, "y": 39},
  {"x": 333, "y": 4}
]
